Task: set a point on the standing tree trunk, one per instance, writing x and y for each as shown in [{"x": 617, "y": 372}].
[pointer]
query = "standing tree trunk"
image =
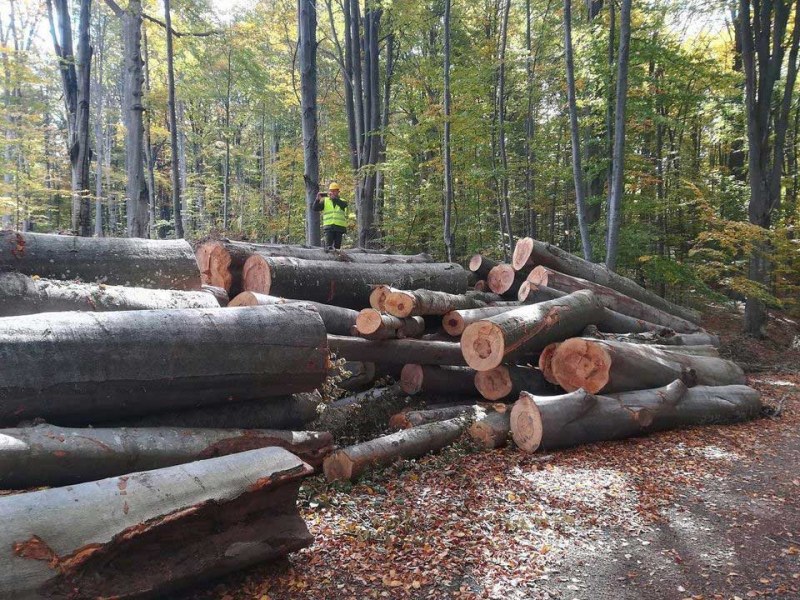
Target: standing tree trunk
[
  {"x": 173, "y": 126},
  {"x": 501, "y": 131},
  {"x": 99, "y": 129},
  {"x": 617, "y": 174},
  {"x": 448, "y": 165},
  {"x": 307, "y": 36}
]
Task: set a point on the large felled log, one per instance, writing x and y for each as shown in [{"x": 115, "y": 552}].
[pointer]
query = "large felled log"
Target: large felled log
[
  {"x": 530, "y": 253},
  {"x": 581, "y": 417},
  {"x": 415, "y": 418},
  {"x": 480, "y": 265},
  {"x": 526, "y": 329},
  {"x": 504, "y": 280},
  {"x": 664, "y": 337},
  {"x": 373, "y": 325},
  {"x": 23, "y": 295},
  {"x": 345, "y": 284},
  {"x": 70, "y": 368},
  {"x": 150, "y": 533},
  {"x": 362, "y": 414},
  {"x": 404, "y": 303},
  {"x": 432, "y": 379},
  {"x": 220, "y": 294},
  {"x": 348, "y": 463},
  {"x": 162, "y": 264},
  {"x": 48, "y": 455},
  {"x": 491, "y": 430},
  {"x": 290, "y": 412},
  {"x": 456, "y": 321},
  {"x": 424, "y": 352},
  {"x": 611, "y": 299},
  {"x": 606, "y": 366},
  {"x": 337, "y": 320},
  {"x": 505, "y": 382}
]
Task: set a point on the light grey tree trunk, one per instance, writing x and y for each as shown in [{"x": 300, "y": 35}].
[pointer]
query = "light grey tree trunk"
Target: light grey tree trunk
[
  {"x": 448, "y": 167},
  {"x": 99, "y": 129},
  {"x": 173, "y": 126},
  {"x": 501, "y": 133},
  {"x": 307, "y": 36}
]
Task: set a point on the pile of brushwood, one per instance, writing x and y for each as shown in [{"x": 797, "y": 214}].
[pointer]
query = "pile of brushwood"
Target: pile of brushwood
[{"x": 171, "y": 400}]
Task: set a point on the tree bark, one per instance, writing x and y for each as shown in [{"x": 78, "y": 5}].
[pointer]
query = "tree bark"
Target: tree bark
[
  {"x": 373, "y": 325},
  {"x": 504, "y": 280},
  {"x": 667, "y": 338},
  {"x": 22, "y": 295},
  {"x": 504, "y": 383},
  {"x": 54, "y": 456},
  {"x": 337, "y": 320},
  {"x": 449, "y": 236},
  {"x": 415, "y": 418},
  {"x": 455, "y": 321},
  {"x": 397, "y": 351},
  {"x": 431, "y": 379},
  {"x": 404, "y": 303},
  {"x": 530, "y": 253},
  {"x": 347, "y": 285},
  {"x": 605, "y": 366},
  {"x": 116, "y": 261},
  {"x": 348, "y": 463},
  {"x": 491, "y": 430},
  {"x": 501, "y": 132},
  {"x": 173, "y": 126},
  {"x": 527, "y": 329},
  {"x": 307, "y": 51},
  {"x": 206, "y": 518},
  {"x": 77, "y": 367}
]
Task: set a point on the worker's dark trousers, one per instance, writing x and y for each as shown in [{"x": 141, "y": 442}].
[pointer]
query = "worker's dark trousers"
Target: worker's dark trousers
[{"x": 333, "y": 237}]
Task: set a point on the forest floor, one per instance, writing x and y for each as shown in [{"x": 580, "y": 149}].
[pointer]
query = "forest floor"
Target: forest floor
[{"x": 704, "y": 513}]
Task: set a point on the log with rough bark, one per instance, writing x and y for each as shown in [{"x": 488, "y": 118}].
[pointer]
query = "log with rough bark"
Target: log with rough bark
[
  {"x": 582, "y": 418},
  {"x": 162, "y": 264},
  {"x": 348, "y": 463},
  {"x": 492, "y": 429},
  {"x": 52, "y": 456},
  {"x": 150, "y": 533},
  {"x": 23, "y": 295},
  {"x": 611, "y": 299},
  {"x": 527, "y": 329},
  {"x": 530, "y": 253},
  {"x": 345, "y": 284},
  {"x": 372, "y": 324},
  {"x": 404, "y": 303},
  {"x": 663, "y": 337},
  {"x": 415, "y": 418},
  {"x": 505, "y": 382},
  {"x": 431, "y": 379},
  {"x": 221, "y": 262},
  {"x": 220, "y": 294},
  {"x": 337, "y": 320},
  {"x": 424, "y": 352},
  {"x": 607, "y": 366},
  {"x": 480, "y": 265},
  {"x": 504, "y": 280},
  {"x": 71, "y": 368},
  {"x": 289, "y": 412},
  {"x": 362, "y": 414},
  {"x": 456, "y": 321}
]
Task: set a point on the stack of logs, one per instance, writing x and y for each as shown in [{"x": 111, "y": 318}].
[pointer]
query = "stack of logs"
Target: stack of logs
[{"x": 203, "y": 395}]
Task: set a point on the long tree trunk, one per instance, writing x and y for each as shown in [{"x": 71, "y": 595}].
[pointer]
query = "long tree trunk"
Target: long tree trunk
[
  {"x": 337, "y": 320},
  {"x": 173, "y": 126},
  {"x": 501, "y": 130},
  {"x": 99, "y": 130},
  {"x": 404, "y": 303},
  {"x": 206, "y": 518},
  {"x": 415, "y": 418},
  {"x": 373, "y": 325},
  {"x": 448, "y": 163},
  {"x": 75, "y": 367},
  {"x": 307, "y": 51},
  {"x": 432, "y": 379},
  {"x": 504, "y": 383},
  {"x": 455, "y": 321},
  {"x": 424, "y": 352}
]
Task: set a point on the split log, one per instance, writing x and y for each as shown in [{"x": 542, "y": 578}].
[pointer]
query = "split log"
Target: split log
[
  {"x": 160, "y": 264},
  {"x": 53, "y": 456},
  {"x": 526, "y": 329},
  {"x": 530, "y": 253},
  {"x": 491, "y": 430},
  {"x": 374, "y": 325},
  {"x": 432, "y": 379},
  {"x": 582, "y": 418},
  {"x": 606, "y": 366},
  {"x": 456, "y": 321},
  {"x": 23, "y": 295},
  {"x": 504, "y": 280},
  {"x": 70, "y": 368},
  {"x": 404, "y": 303},
  {"x": 611, "y": 299},
  {"x": 337, "y": 320},
  {"x": 425, "y": 352},
  {"x": 480, "y": 265},
  {"x": 150, "y": 533},
  {"x": 415, "y": 418},
  {"x": 505, "y": 382},
  {"x": 348, "y": 463},
  {"x": 220, "y": 294},
  {"x": 363, "y": 414},
  {"x": 663, "y": 337},
  {"x": 290, "y": 412},
  {"x": 345, "y": 284}
]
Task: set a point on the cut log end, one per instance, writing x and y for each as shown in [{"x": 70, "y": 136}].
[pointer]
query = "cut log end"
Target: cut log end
[
  {"x": 377, "y": 298},
  {"x": 244, "y": 299},
  {"x": 483, "y": 345},
  {"x": 256, "y": 275},
  {"x": 399, "y": 421},
  {"x": 526, "y": 424},
  {"x": 368, "y": 321},
  {"x": 524, "y": 291},
  {"x": 215, "y": 261},
  {"x": 399, "y": 304},
  {"x": 494, "y": 384},
  {"x": 480, "y": 286},
  {"x": 546, "y": 362},
  {"x": 539, "y": 275},
  {"x": 453, "y": 323},
  {"x": 411, "y": 379},
  {"x": 501, "y": 278},
  {"x": 522, "y": 253},
  {"x": 475, "y": 262},
  {"x": 338, "y": 466},
  {"x": 578, "y": 363}
]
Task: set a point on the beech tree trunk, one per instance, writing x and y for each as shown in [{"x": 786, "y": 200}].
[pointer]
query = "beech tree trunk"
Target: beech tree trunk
[
  {"x": 666, "y": 338},
  {"x": 307, "y": 55},
  {"x": 606, "y": 366},
  {"x": 425, "y": 352},
  {"x": 504, "y": 280},
  {"x": 415, "y": 418},
  {"x": 337, "y": 320},
  {"x": 348, "y": 463},
  {"x": 165, "y": 264},
  {"x": 22, "y": 295},
  {"x": 431, "y": 379},
  {"x": 530, "y": 253},
  {"x": 404, "y": 303},
  {"x": 480, "y": 265},
  {"x": 456, "y": 321},
  {"x": 527, "y": 329},
  {"x": 206, "y": 518},
  {"x": 347, "y": 285},
  {"x": 173, "y": 126},
  {"x": 53, "y": 456},
  {"x": 373, "y": 325},
  {"x": 77, "y": 367},
  {"x": 611, "y": 299},
  {"x": 504, "y": 383},
  {"x": 491, "y": 430}
]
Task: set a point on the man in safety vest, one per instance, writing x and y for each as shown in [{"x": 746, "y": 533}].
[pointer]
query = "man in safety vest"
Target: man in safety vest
[{"x": 334, "y": 216}]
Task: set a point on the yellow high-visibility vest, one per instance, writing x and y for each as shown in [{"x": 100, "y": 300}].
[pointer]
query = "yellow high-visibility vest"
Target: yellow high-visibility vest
[{"x": 333, "y": 214}]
